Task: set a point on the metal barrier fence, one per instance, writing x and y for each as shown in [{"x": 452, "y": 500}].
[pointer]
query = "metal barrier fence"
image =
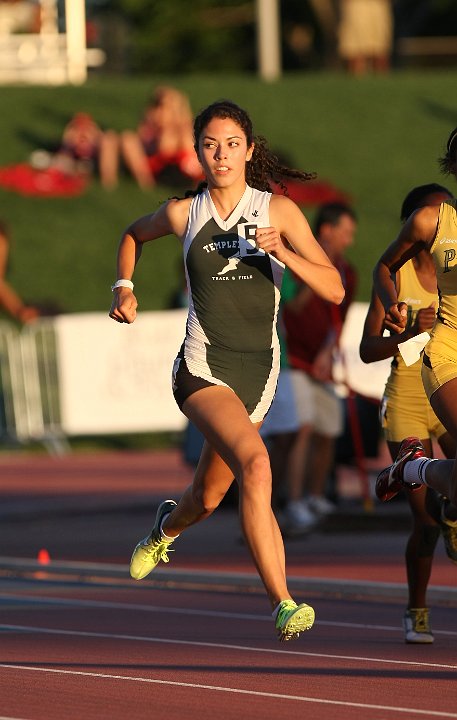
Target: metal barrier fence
[
  {"x": 10, "y": 420},
  {"x": 30, "y": 407}
]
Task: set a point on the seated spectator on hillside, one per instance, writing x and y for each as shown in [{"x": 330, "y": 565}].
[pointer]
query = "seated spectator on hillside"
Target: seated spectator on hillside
[
  {"x": 85, "y": 149},
  {"x": 162, "y": 141},
  {"x": 10, "y": 301}
]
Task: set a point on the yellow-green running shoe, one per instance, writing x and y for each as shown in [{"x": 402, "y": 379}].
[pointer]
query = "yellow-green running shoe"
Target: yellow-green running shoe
[
  {"x": 292, "y": 619},
  {"x": 153, "y": 548}
]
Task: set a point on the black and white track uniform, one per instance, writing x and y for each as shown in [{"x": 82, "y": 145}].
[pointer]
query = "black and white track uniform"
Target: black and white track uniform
[{"x": 234, "y": 292}]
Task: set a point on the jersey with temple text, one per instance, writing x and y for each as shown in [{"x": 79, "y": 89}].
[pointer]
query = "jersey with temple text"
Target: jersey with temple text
[
  {"x": 234, "y": 287},
  {"x": 444, "y": 253}
]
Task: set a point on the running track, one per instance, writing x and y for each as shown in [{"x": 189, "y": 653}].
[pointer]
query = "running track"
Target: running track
[
  {"x": 95, "y": 644},
  {"x": 109, "y": 649}
]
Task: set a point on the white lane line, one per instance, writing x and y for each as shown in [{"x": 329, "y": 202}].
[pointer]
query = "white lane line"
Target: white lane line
[
  {"x": 237, "y": 691},
  {"x": 218, "y": 646},
  {"x": 363, "y": 626},
  {"x": 37, "y": 599}
]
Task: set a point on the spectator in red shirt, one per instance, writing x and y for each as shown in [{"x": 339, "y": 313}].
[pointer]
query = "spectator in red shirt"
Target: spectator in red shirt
[{"x": 313, "y": 329}]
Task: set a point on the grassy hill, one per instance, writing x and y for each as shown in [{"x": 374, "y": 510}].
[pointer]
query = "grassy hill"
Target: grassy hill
[{"x": 374, "y": 138}]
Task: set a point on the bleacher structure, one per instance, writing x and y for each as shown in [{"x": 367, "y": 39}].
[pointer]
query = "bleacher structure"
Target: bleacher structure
[{"x": 50, "y": 56}]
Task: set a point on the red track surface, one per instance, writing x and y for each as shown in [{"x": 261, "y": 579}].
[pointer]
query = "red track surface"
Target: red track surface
[
  {"x": 122, "y": 652},
  {"x": 81, "y": 649}
]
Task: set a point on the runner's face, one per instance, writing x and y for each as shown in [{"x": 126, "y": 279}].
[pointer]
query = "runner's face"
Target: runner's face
[{"x": 223, "y": 152}]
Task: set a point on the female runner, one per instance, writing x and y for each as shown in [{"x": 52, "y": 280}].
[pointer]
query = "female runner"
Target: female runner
[
  {"x": 237, "y": 238},
  {"x": 405, "y": 408},
  {"x": 432, "y": 228}
]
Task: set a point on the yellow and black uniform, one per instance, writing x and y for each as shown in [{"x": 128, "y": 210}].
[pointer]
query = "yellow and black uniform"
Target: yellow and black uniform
[
  {"x": 405, "y": 404},
  {"x": 440, "y": 356}
]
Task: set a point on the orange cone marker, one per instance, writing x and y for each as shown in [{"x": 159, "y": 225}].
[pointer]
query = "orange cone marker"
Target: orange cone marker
[{"x": 43, "y": 557}]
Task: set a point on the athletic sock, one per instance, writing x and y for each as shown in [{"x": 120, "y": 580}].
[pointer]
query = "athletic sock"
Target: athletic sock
[
  {"x": 274, "y": 614},
  {"x": 163, "y": 534},
  {"x": 414, "y": 471}
]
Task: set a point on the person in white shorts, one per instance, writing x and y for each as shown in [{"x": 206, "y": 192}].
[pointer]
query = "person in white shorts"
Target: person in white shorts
[
  {"x": 317, "y": 404},
  {"x": 312, "y": 332}
]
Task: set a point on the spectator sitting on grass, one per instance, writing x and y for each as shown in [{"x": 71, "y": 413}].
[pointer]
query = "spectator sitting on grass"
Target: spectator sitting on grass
[
  {"x": 162, "y": 140},
  {"x": 84, "y": 149}
]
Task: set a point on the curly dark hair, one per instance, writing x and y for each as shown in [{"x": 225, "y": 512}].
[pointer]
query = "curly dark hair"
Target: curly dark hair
[
  {"x": 264, "y": 166},
  {"x": 416, "y": 197},
  {"x": 447, "y": 163}
]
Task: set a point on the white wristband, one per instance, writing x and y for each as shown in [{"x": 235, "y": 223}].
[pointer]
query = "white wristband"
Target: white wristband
[{"x": 122, "y": 283}]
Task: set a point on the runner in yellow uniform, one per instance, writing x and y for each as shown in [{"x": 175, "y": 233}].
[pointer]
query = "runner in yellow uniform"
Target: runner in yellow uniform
[
  {"x": 434, "y": 229},
  {"x": 405, "y": 408}
]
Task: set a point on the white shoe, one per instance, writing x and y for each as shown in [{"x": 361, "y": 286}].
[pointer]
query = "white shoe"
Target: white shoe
[
  {"x": 319, "y": 505},
  {"x": 298, "y": 517}
]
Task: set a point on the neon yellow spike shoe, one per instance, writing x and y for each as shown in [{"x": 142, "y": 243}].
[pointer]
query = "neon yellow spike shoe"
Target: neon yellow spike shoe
[
  {"x": 152, "y": 549},
  {"x": 292, "y": 619}
]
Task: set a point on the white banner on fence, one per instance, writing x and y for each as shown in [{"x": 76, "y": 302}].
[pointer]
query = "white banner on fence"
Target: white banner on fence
[
  {"x": 116, "y": 378},
  {"x": 368, "y": 380}
]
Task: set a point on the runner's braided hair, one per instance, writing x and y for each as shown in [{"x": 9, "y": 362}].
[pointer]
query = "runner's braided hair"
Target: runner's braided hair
[{"x": 264, "y": 167}]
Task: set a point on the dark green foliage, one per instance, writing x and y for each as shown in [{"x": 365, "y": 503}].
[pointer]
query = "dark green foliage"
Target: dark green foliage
[{"x": 188, "y": 37}]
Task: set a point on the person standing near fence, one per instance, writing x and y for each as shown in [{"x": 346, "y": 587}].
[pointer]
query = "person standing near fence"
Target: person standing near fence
[
  {"x": 237, "y": 237},
  {"x": 405, "y": 409},
  {"x": 312, "y": 330}
]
